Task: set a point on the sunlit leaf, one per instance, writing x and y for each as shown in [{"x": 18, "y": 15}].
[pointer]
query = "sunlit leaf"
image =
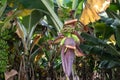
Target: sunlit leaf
[
  {"x": 80, "y": 6},
  {"x": 59, "y": 24},
  {"x": 74, "y": 5},
  {"x": 44, "y": 6},
  {"x": 112, "y": 39},
  {"x": 62, "y": 41},
  {"x": 75, "y": 37},
  {"x": 38, "y": 57}
]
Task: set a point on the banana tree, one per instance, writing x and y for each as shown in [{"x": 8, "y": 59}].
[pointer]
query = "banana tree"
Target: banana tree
[{"x": 26, "y": 20}]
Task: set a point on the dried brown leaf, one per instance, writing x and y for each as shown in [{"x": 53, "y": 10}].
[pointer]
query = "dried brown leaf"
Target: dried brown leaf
[
  {"x": 58, "y": 39},
  {"x": 92, "y": 9},
  {"x": 78, "y": 52},
  {"x": 10, "y": 75},
  {"x": 20, "y": 33}
]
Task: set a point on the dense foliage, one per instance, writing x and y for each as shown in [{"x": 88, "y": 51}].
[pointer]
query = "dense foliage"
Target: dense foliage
[{"x": 48, "y": 39}]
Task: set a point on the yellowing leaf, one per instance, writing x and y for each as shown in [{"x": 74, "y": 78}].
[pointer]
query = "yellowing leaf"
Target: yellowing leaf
[
  {"x": 92, "y": 9},
  {"x": 37, "y": 38},
  {"x": 84, "y": 17},
  {"x": 112, "y": 39},
  {"x": 11, "y": 4},
  {"x": 25, "y": 12},
  {"x": 58, "y": 39},
  {"x": 75, "y": 37},
  {"x": 37, "y": 57}
]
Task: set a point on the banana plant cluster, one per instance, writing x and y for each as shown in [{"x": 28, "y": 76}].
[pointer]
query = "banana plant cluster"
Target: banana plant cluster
[{"x": 31, "y": 20}]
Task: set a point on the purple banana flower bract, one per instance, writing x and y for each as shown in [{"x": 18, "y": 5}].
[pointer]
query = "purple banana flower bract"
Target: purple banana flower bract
[{"x": 67, "y": 55}]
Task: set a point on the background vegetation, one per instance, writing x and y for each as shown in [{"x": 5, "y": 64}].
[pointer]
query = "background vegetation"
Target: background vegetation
[{"x": 34, "y": 35}]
